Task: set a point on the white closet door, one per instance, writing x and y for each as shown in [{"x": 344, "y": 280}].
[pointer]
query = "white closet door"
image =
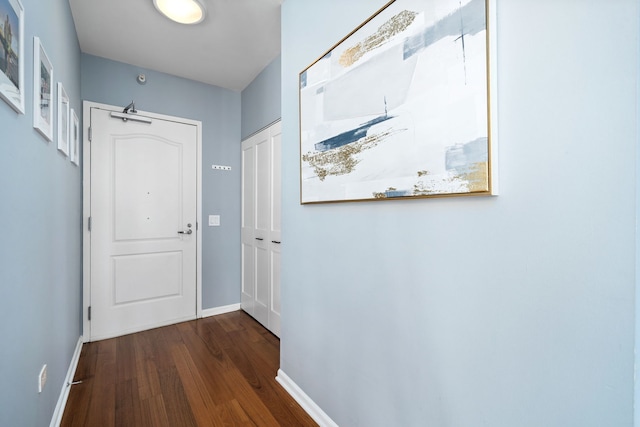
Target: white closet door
[
  {"x": 248, "y": 222},
  {"x": 261, "y": 219},
  {"x": 275, "y": 229}
]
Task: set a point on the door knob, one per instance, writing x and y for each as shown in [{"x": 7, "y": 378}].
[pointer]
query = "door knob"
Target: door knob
[{"x": 185, "y": 232}]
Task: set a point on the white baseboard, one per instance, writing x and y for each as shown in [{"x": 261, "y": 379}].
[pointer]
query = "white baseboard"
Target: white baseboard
[
  {"x": 66, "y": 386},
  {"x": 220, "y": 310},
  {"x": 305, "y": 401}
]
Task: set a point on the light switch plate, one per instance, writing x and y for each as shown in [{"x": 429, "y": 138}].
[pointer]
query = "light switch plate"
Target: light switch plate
[{"x": 214, "y": 220}]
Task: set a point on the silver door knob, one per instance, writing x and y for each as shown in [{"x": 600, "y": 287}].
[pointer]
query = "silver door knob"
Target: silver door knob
[{"x": 185, "y": 232}]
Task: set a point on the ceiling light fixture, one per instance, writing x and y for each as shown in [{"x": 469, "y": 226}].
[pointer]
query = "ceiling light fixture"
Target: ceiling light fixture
[{"x": 182, "y": 11}]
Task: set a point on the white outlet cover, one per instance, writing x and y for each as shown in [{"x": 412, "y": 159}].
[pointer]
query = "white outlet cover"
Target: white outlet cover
[{"x": 214, "y": 220}]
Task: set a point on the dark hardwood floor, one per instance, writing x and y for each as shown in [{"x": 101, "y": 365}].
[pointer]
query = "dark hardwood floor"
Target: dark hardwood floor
[{"x": 217, "y": 371}]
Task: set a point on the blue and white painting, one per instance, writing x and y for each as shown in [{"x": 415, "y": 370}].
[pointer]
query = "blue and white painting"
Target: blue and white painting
[{"x": 399, "y": 108}]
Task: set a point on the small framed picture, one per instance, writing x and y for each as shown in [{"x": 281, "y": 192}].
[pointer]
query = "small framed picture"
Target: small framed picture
[
  {"x": 63, "y": 120},
  {"x": 12, "y": 61},
  {"x": 42, "y": 91},
  {"x": 74, "y": 154}
]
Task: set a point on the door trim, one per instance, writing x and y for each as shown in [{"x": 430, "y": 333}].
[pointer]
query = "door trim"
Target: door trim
[{"x": 86, "y": 206}]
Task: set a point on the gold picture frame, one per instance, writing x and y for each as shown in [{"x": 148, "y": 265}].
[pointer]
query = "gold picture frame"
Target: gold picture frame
[{"x": 400, "y": 108}]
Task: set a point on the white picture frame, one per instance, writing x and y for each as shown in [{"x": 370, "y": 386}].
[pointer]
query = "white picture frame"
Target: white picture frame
[
  {"x": 12, "y": 69},
  {"x": 74, "y": 127},
  {"x": 63, "y": 120},
  {"x": 43, "y": 101}
]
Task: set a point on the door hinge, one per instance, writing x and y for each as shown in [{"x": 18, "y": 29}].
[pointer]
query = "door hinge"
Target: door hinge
[
  {"x": 89, "y": 312},
  {"x": 89, "y": 223},
  {"x": 90, "y": 134}
]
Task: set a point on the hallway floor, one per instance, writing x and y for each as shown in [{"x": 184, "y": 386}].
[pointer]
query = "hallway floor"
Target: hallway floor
[{"x": 217, "y": 371}]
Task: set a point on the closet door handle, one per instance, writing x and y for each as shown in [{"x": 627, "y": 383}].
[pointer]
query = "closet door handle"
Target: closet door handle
[
  {"x": 276, "y": 242},
  {"x": 259, "y": 238}
]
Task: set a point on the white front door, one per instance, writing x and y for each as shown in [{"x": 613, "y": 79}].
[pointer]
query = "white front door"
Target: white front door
[{"x": 143, "y": 224}]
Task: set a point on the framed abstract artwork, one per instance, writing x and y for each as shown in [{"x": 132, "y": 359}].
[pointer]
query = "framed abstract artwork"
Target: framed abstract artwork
[
  {"x": 63, "y": 120},
  {"x": 400, "y": 108},
  {"x": 12, "y": 54},
  {"x": 42, "y": 91}
]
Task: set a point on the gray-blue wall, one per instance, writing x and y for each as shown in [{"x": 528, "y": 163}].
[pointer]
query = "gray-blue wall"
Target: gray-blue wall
[
  {"x": 516, "y": 310},
  {"x": 40, "y": 248},
  {"x": 115, "y": 83},
  {"x": 261, "y": 103}
]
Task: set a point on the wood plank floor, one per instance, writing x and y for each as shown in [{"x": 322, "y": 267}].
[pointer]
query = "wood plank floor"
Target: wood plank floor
[{"x": 217, "y": 371}]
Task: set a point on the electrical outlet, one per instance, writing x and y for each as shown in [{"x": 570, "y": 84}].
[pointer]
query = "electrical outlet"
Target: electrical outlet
[{"x": 42, "y": 378}]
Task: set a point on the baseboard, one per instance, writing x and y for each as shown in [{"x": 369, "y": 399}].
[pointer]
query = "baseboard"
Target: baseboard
[
  {"x": 305, "y": 401},
  {"x": 66, "y": 386},
  {"x": 220, "y": 310}
]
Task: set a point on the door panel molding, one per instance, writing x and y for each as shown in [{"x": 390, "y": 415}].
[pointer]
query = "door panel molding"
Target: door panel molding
[{"x": 86, "y": 189}]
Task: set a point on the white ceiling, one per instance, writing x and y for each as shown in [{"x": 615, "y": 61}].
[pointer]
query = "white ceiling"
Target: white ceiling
[{"x": 237, "y": 39}]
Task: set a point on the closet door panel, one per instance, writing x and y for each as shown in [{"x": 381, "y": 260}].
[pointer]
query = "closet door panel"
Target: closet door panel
[
  {"x": 263, "y": 188},
  {"x": 248, "y": 224},
  {"x": 275, "y": 243}
]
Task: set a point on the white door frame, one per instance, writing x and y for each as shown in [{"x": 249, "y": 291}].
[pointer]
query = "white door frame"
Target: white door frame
[{"x": 86, "y": 206}]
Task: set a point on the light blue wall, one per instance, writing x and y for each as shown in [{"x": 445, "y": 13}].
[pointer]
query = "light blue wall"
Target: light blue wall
[
  {"x": 516, "y": 310},
  {"x": 115, "y": 83},
  {"x": 40, "y": 248},
  {"x": 261, "y": 100}
]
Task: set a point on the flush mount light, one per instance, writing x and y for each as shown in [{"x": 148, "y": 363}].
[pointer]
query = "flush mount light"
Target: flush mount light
[{"x": 182, "y": 11}]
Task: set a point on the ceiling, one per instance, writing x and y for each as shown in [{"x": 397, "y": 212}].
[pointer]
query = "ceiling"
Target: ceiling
[{"x": 233, "y": 44}]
